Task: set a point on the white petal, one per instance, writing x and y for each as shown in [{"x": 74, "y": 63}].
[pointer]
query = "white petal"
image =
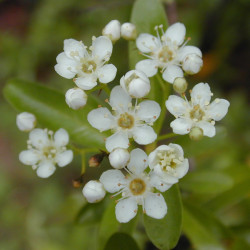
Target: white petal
[
  {"x": 144, "y": 135},
  {"x": 119, "y": 99},
  {"x": 176, "y": 105},
  {"x": 138, "y": 161},
  {"x": 182, "y": 169},
  {"x": 45, "y": 169},
  {"x": 65, "y": 71},
  {"x": 86, "y": 82},
  {"x": 73, "y": 47},
  {"x": 157, "y": 182},
  {"x": 155, "y": 206},
  {"x": 178, "y": 149},
  {"x": 149, "y": 111},
  {"x": 126, "y": 210},
  {"x": 100, "y": 119},
  {"x": 183, "y": 52},
  {"x": 117, "y": 140},
  {"x": 112, "y": 180},
  {"x": 119, "y": 158},
  {"x": 176, "y": 33},
  {"x": 93, "y": 191},
  {"x": 107, "y": 73},
  {"x": 61, "y": 137},
  {"x": 147, "y": 43},
  {"x": 148, "y": 67},
  {"x": 112, "y": 30},
  {"x": 152, "y": 158},
  {"x": 28, "y": 157},
  {"x": 25, "y": 121},
  {"x": 102, "y": 48},
  {"x": 201, "y": 94},
  {"x": 218, "y": 109},
  {"x": 64, "y": 158},
  {"x": 207, "y": 127},
  {"x": 172, "y": 72},
  {"x": 38, "y": 138},
  {"x": 181, "y": 126}
]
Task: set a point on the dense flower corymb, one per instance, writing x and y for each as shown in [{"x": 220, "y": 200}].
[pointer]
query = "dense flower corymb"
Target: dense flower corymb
[
  {"x": 137, "y": 188},
  {"x": 168, "y": 53},
  {"x": 45, "y": 150},
  {"x": 86, "y": 65},
  {"x": 197, "y": 113},
  {"x": 126, "y": 120}
]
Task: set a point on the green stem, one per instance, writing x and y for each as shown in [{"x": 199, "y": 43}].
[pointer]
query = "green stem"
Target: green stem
[
  {"x": 83, "y": 164},
  {"x": 82, "y": 150},
  {"x": 106, "y": 89},
  {"x": 166, "y": 136}
]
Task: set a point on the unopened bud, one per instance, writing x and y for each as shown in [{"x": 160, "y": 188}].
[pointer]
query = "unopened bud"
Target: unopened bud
[
  {"x": 180, "y": 85},
  {"x": 196, "y": 134},
  {"x": 135, "y": 83},
  {"x": 76, "y": 98},
  {"x": 112, "y": 30},
  {"x": 119, "y": 158},
  {"x": 128, "y": 31},
  {"x": 25, "y": 121},
  {"x": 192, "y": 64},
  {"x": 77, "y": 182},
  {"x": 96, "y": 160},
  {"x": 93, "y": 191}
]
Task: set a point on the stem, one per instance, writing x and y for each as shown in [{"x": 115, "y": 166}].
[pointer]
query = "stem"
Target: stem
[
  {"x": 171, "y": 11},
  {"x": 166, "y": 136},
  {"x": 82, "y": 150},
  {"x": 83, "y": 164},
  {"x": 106, "y": 89}
]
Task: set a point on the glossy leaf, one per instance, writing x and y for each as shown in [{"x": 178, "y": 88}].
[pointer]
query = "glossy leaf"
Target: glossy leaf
[
  {"x": 52, "y": 112},
  {"x": 165, "y": 233}
]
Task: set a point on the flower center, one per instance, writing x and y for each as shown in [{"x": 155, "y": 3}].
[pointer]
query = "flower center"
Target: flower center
[
  {"x": 49, "y": 152},
  {"x": 88, "y": 66},
  {"x": 197, "y": 113},
  {"x": 126, "y": 121},
  {"x": 166, "y": 55},
  {"x": 137, "y": 186}
]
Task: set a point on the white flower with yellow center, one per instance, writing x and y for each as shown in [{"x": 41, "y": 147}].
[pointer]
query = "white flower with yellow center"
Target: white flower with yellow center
[
  {"x": 197, "y": 113},
  {"x": 87, "y": 66},
  {"x": 136, "y": 188},
  {"x": 169, "y": 53},
  {"x": 45, "y": 150},
  {"x": 126, "y": 121},
  {"x": 167, "y": 161}
]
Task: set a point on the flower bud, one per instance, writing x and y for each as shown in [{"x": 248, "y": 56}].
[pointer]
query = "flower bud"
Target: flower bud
[
  {"x": 135, "y": 83},
  {"x": 196, "y": 134},
  {"x": 25, "y": 121},
  {"x": 76, "y": 98},
  {"x": 180, "y": 85},
  {"x": 192, "y": 64},
  {"x": 93, "y": 191},
  {"x": 96, "y": 160},
  {"x": 112, "y": 30},
  {"x": 119, "y": 158},
  {"x": 77, "y": 182},
  {"x": 128, "y": 31}
]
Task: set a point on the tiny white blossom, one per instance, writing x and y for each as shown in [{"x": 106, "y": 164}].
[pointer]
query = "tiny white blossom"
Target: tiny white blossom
[
  {"x": 128, "y": 31},
  {"x": 112, "y": 30},
  {"x": 93, "y": 191},
  {"x": 198, "y": 112},
  {"x": 168, "y": 52},
  {"x": 126, "y": 120},
  {"x": 87, "y": 65},
  {"x": 168, "y": 162},
  {"x": 136, "y": 188},
  {"x": 135, "y": 83},
  {"x": 45, "y": 150},
  {"x": 76, "y": 98},
  {"x": 25, "y": 121},
  {"x": 119, "y": 158}
]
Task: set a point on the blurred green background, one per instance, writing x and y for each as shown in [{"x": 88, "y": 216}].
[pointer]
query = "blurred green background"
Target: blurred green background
[{"x": 40, "y": 214}]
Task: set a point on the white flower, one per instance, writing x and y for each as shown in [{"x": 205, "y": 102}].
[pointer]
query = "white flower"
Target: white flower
[
  {"x": 128, "y": 31},
  {"x": 126, "y": 120},
  {"x": 25, "y": 121},
  {"x": 112, "y": 30},
  {"x": 45, "y": 150},
  {"x": 119, "y": 158},
  {"x": 93, "y": 191},
  {"x": 198, "y": 112},
  {"x": 135, "y": 83},
  {"x": 137, "y": 188},
  {"x": 168, "y": 163},
  {"x": 86, "y": 66},
  {"x": 168, "y": 53},
  {"x": 76, "y": 98}
]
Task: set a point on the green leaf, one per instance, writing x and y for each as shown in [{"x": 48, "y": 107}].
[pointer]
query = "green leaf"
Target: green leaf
[
  {"x": 121, "y": 241},
  {"x": 165, "y": 233},
  {"x": 52, "y": 112}
]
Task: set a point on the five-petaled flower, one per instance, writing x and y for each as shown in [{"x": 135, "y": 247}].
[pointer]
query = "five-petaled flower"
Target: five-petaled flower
[{"x": 198, "y": 113}]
